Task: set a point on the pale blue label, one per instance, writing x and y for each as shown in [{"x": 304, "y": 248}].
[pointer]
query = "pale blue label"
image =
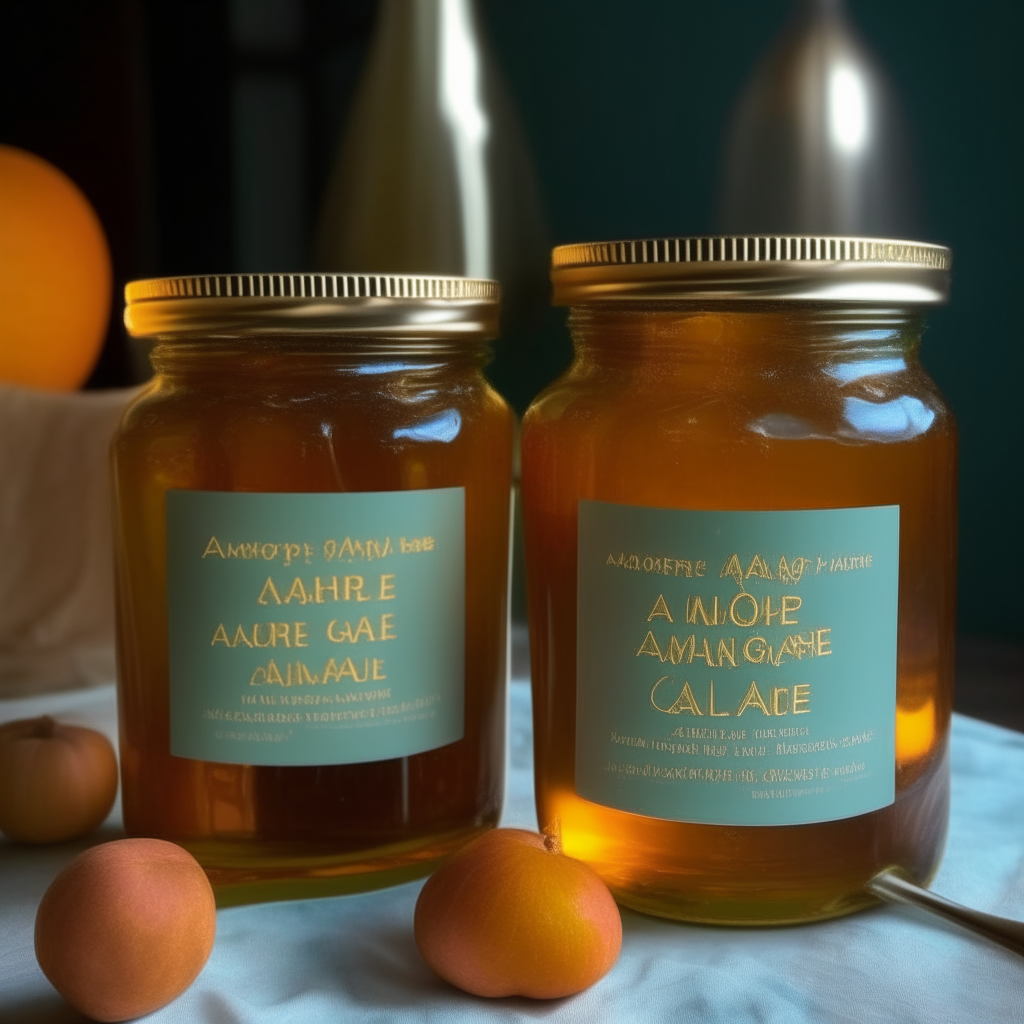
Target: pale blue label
[
  {"x": 310, "y": 629},
  {"x": 737, "y": 668}
]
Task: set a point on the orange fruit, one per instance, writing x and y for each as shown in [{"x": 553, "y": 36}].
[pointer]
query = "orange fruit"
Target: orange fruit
[
  {"x": 57, "y": 782},
  {"x": 125, "y": 928},
  {"x": 55, "y": 276},
  {"x": 509, "y": 914}
]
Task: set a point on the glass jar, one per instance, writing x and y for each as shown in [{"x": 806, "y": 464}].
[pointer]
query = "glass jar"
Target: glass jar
[
  {"x": 312, "y": 535},
  {"x": 740, "y": 519}
]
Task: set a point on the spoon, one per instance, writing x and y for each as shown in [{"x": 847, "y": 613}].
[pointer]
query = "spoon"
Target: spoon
[{"x": 1006, "y": 932}]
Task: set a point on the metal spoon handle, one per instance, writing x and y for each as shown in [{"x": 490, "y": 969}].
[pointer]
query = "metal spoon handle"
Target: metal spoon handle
[{"x": 1003, "y": 930}]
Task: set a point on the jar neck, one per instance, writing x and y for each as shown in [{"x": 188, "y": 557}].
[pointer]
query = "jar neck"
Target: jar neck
[
  {"x": 314, "y": 355},
  {"x": 740, "y": 335}
]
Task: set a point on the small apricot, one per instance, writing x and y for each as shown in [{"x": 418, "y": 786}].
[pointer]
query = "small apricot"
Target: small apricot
[
  {"x": 510, "y": 914},
  {"x": 57, "y": 782},
  {"x": 126, "y": 927}
]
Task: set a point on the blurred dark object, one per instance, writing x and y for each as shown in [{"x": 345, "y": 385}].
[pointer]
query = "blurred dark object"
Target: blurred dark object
[
  {"x": 816, "y": 143},
  {"x": 990, "y": 680},
  {"x": 432, "y": 174},
  {"x": 189, "y": 82}
]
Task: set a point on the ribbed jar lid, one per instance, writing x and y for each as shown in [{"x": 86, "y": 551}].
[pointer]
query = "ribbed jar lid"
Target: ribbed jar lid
[
  {"x": 758, "y": 268},
  {"x": 408, "y": 306}
]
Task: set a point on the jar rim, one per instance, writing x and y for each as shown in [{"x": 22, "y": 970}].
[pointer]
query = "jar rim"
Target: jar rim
[
  {"x": 760, "y": 268},
  {"x": 405, "y": 306}
]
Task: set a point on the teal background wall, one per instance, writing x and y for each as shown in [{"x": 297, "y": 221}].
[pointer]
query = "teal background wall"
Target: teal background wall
[{"x": 624, "y": 105}]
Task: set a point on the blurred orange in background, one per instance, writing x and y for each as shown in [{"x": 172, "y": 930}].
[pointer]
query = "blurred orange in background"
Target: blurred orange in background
[{"x": 55, "y": 276}]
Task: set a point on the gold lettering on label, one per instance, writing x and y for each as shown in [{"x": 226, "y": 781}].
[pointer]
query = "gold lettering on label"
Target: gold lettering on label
[
  {"x": 378, "y": 664},
  {"x": 300, "y": 635},
  {"x": 345, "y": 636},
  {"x": 319, "y": 589},
  {"x": 791, "y": 645},
  {"x": 705, "y": 653},
  {"x": 269, "y": 590},
  {"x": 220, "y": 636},
  {"x": 241, "y": 637},
  {"x": 677, "y": 653},
  {"x": 711, "y": 703},
  {"x": 732, "y": 568},
  {"x": 660, "y": 610},
  {"x": 256, "y": 635},
  {"x": 297, "y": 592},
  {"x": 734, "y": 613},
  {"x": 794, "y": 571},
  {"x": 349, "y": 669},
  {"x": 273, "y": 673},
  {"x": 727, "y": 652},
  {"x": 753, "y": 699},
  {"x": 695, "y": 607},
  {"x": 790, "y": 603},
  {"x": 684, "y": 702},
  {"x": 281, "y": 633},
  {"x": 387, "y": 587},
  {"x": 701, "y": 567},
  {"x": 213, "y": 548},
  {"x": 761, "y": 649},
  {"x": 759, "y": 567},
  {"x": 363, "y": 629},
  {"x": 650, "y": 646},
  {"x": 354, "y": 585},
  {"x": 767, "y": 613},
  {"x": 823, "y": 644},
  {"x": 799, "y": 698},
  {"x": 777, "y": 693}
]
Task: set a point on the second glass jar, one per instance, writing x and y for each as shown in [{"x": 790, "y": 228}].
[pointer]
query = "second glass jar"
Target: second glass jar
[{"x": 740, "y": 521}]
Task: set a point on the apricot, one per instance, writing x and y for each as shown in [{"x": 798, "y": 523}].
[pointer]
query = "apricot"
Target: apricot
[
  {"x": 126, "y": 927},
  {"x": 510, "y": 914},
  {"x": 57, "y": 782}
]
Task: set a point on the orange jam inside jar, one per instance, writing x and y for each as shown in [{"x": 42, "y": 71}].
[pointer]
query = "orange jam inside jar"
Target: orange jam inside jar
[
  {"x": 312, "y": 537},
  {"x": 740, "y": 523}
]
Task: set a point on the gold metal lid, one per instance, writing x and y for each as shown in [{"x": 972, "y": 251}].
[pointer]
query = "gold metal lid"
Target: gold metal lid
[
  {"x": 407, "y": 306},
  {"x": 753, "y": 268}
]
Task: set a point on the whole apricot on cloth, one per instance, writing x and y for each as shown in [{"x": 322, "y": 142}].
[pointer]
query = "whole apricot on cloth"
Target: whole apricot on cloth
[
  {"x": 56, "y": 280},
  {"x": 126, "y": 927},
  {"x": 510, "y": 915},
  {"x": 57, "y": 782}
]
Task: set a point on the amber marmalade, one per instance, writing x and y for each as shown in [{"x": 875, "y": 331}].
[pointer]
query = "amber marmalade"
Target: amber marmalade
[
  {"x": 312, "y": 512},
  {"x": 740, "y": 523}
]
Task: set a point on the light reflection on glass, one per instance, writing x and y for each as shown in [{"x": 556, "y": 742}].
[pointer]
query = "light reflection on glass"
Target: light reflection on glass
[
  {"x": 847, "y": 372},
  {"x": 901, "y": 419},
  {"x": 373, "y": 368},
  {"x": 445, "y": 427}
]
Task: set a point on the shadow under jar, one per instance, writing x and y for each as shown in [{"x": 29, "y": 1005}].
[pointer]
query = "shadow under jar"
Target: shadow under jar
[
  {"x": 740, "y": 523},
  {"x": 312, "y": 523}
]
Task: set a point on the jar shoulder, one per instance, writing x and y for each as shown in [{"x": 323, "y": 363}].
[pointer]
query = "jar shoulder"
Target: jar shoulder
[{"x": 878, "y": 399}]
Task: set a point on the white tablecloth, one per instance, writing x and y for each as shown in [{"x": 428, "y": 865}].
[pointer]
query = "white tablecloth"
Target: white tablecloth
[{"x": 352, "y": 958}]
